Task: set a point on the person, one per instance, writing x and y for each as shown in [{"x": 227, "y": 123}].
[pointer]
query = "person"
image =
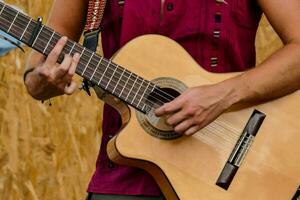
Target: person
[{"x": 218, "y": 34}]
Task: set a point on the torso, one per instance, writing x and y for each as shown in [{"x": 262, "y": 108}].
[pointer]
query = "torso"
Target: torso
[{"x": 219, "y": 36}]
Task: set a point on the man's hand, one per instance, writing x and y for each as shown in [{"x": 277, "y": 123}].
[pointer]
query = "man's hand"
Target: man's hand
[
  {"x": 50, "y": 79},
  {"x": 197, "y": 107}
]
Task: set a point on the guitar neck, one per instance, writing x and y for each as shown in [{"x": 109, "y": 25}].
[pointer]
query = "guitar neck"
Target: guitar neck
[{"x": 102, "y": 72}]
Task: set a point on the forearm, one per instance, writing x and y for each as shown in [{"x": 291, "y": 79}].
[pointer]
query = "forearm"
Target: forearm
[
  {"x": 276, "y": 76},
  {"x": 66, "y": 17}
]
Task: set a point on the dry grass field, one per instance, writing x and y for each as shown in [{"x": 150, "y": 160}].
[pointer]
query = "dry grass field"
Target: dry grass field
[{"x": 49, "y": 152}]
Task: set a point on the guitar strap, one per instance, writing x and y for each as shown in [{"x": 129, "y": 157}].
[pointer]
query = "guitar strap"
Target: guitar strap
[
  {"x": 92, "y": 29},
  {"x": 93, "y": 21}
]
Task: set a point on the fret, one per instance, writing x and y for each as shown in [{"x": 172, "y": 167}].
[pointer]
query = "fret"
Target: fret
[
  {"x": 111, "y": 76},
  {"x": 99, "y": 63},
  {"x": 131, "y": 87},
  {"x": 21, "y": 24},
  {"x": 2, "y": 9},
  {"x": 81, "y": 64},
  {"x": 21, "y": 38},
  {"x": 82, "y": 52},
  {"x": 48, "y": 42},
  {"x": 76, "y": 49},
  {"x": 72, "y": 48},
  {"x": 86, "y": 66},
  {"x": 143, "y": 94},
  {"x": 104, "y": 72},
  {"x": 134, "y": 94},
  {"x": 38, "y": 35},
  {"x": 130, "y": 73},
  {"x": 118, "y": 81},
  {"x": 148, "y": 108},
  {"x": 143, "y": 108},
  {"x": 6, "y": 19},
  {"x": 68, "y": 47},
  {"x": 137, "y": 91},
  {"x": 13, "y": 22},
  {"x": 42, "y": 41}
]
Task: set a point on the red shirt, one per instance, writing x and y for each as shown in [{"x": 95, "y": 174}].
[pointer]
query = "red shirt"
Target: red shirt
[{"x": 219, "y": 36}]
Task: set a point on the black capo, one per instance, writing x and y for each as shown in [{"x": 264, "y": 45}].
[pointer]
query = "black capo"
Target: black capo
[{"x": 35, "y": 31}]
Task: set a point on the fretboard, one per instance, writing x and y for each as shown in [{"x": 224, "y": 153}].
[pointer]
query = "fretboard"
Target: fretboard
[{"x": 102, "y": 72}]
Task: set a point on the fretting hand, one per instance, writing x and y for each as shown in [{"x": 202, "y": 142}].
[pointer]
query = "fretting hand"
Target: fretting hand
[{"x": 50, "y": 79}]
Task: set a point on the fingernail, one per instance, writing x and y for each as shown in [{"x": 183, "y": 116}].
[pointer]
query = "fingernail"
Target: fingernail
[
  {"x": 76, "y": 56},
  {"x": 187, "y": 133},
  {"x": 64, "y": 38}
]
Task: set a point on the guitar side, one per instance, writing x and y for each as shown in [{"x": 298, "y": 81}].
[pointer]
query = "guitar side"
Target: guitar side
[{"x": 188, "y": 167}]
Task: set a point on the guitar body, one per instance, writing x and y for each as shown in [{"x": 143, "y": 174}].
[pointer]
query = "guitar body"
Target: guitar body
[
  {"x": 248, "y": 155},
  {"x": 188, "y": 167}
]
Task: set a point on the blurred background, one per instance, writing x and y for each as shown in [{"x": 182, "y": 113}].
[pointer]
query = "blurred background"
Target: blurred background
[{"x": 49, "y": 152}]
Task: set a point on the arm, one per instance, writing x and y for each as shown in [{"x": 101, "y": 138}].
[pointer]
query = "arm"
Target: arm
[
  {"x": 49, "y": 79},
  {"x": 276, "y": 76}
]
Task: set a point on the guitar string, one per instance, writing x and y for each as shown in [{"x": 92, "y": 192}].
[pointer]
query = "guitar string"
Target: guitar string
[
  {"x": 112, "y": 64},
  {"x": 235, "y": 135},
  {"x": 89, "y": 71},
  {"x": 222, "y": 130},
  {"x": 133, "y": 85},
  {"x": 208, "y": 138},
  {"x": 26, "y": 17},
  {"x": 245, "y": 143},
  {"x": 206, "y": 134},
  {"x": 126, "y": 76},
  {"x": 216, "y": 144},
  {"x": 229, "y": 135},
  {"x": 130, "y": 94},
  {"x": 104, "y": 60},
  {"x": 209, "y": 131},
  {"x": 235, "y": 131},
  {"x": 138, "y": 95}
]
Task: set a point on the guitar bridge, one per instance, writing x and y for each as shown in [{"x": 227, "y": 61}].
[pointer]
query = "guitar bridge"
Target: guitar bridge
[{"x": 240, "y": 150}]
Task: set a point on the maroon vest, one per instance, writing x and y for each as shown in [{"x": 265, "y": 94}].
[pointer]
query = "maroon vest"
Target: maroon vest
[{"x": 219, "y": 36}]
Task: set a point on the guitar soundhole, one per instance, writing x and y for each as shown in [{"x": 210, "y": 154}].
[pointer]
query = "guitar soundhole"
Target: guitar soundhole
[
  {"x": 159, "y": 97},
  {"x": 156, "y": 126}
]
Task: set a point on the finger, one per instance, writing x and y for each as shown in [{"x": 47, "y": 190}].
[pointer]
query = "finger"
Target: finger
[
  {"x": 70, "y": 89},
  {"x": 183, "y": 126},
  {"x": 63, "y": 68},
  {"x": 169, "y": 108},
  {"x": 192, "y": 130},
  {"x": 71, "y": 71},
  {"x": 74, "y": 64},
  {"x": 176, "y": 118},
  {"x": 54, "y": 54}
]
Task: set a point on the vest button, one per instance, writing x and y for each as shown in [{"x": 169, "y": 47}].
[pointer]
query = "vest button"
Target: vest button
[
  {"x": 214, "y": 61},
  {"x": 217, "y": 33},
  {"x": 170, "y": 6}
]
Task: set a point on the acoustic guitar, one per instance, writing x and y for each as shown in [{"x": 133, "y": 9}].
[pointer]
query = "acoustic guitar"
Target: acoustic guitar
[{"x": 250, "y": 152}]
